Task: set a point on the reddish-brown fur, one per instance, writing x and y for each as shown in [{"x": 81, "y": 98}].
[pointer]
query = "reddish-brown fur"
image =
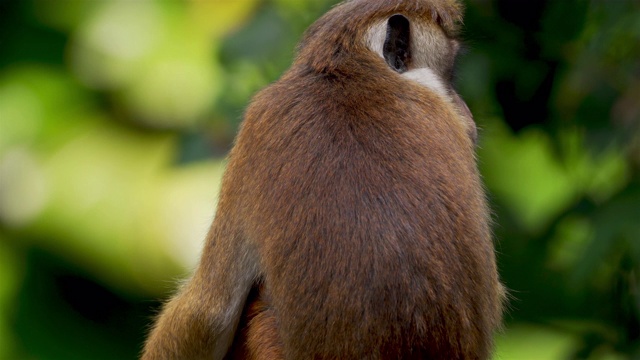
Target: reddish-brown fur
[
  {"x": 257, "y": 335},
  {"x": 353, "y": 207}
]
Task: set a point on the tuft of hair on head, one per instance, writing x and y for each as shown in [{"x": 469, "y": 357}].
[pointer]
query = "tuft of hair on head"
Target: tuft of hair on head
[{"x": 336, "y": 37}]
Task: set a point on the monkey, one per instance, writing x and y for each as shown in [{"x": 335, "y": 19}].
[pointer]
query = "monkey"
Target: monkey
[{"x": 352, "y": 222}]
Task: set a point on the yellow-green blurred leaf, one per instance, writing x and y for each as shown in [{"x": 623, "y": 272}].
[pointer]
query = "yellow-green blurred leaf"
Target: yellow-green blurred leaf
[{"x": 219, "y": 17}]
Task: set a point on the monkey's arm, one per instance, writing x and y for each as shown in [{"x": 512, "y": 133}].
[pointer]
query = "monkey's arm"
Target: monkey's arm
[{"x": 201, "y": 320}]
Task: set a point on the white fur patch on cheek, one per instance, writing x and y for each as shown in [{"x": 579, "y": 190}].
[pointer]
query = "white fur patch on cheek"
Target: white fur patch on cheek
[
  {"x": 376, "y": 36},
  {"x": 374, "y": 40},
  {"x": 427, "y": 78}
]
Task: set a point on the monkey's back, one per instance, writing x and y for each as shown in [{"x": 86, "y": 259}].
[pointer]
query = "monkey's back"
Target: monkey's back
[{"x": 373, "y": 202}]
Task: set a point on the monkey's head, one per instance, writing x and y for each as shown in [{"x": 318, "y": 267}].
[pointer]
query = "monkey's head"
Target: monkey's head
[{"x": 413, "y": 39}]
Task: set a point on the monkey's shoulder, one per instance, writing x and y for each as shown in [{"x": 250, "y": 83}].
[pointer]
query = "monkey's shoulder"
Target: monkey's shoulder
[{"x": 334, "y": 102}]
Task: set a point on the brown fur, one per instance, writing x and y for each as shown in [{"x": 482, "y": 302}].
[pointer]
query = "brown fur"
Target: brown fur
[
  {"x": 353, "y": 207},
  {"x": 257, "y": 335}
]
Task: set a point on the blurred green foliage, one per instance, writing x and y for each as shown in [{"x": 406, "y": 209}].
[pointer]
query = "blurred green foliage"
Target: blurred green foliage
[{"x": 115, "y": 117}]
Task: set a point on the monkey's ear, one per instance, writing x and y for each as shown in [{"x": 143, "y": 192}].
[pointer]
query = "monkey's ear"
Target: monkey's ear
[{"x": 397, "y": 46}]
